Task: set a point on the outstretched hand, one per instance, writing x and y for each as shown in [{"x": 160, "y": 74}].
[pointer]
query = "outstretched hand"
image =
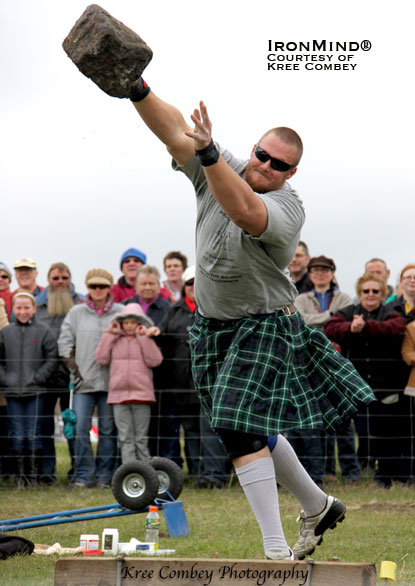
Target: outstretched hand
[{"x": 202, "y": 132}]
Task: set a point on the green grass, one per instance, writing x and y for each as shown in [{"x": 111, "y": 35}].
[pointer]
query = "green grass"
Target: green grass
[{"x": 379, "y": 526}]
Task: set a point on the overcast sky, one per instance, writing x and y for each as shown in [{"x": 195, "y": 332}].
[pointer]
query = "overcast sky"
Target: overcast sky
[{"x": 82, "y": 179}]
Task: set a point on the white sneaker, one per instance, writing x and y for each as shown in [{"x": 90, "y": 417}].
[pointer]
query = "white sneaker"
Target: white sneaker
[
  {"x": 278, "y": 554},
  {"x": 312, "y": 528}
]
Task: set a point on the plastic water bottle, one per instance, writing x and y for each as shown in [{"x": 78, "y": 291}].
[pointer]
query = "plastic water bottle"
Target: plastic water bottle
[{"x": 152, "y": 525}]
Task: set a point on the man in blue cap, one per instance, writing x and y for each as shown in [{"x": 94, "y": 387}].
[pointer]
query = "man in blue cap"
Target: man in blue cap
[{"x": 131, "y": 260}]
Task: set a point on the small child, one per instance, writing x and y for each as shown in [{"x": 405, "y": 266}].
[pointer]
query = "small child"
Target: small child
[
  {"x": 28, "y": 358},
  {"x": 127, "y": 347}
]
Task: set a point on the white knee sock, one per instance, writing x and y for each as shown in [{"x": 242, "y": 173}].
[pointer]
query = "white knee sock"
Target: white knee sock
[
  {"x": 293, "y": 477},
  {"x": 259, "y": 485}
]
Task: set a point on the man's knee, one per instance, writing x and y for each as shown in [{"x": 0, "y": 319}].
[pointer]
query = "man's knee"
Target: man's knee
[{"x": 238, "y": 444}]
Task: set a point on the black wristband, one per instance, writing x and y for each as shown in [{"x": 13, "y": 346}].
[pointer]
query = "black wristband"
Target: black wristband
[
  {"x": 209, "y": 155},
  {"x": 139, "y": 91}
]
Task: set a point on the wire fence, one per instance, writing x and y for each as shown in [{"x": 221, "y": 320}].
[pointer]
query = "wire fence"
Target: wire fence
[{"x": 380, "y": 441}]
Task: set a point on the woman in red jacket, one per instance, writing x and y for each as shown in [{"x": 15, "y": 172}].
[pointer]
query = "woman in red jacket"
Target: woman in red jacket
[
  {"x": 127, "y": 347},
  {"x": 370, "y": 336}
]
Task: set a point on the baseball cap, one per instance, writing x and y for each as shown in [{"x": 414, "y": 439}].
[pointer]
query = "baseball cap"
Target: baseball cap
[{"x": 28, "y": 263}]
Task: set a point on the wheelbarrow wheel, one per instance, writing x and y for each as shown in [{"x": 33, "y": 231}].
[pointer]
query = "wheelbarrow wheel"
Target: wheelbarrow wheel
[
  {"x": 135, "y": 485},
  {"x": 170, "y": 477}
]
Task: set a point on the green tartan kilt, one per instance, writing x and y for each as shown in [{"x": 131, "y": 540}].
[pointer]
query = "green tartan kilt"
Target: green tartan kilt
[{"x": 266, "y": 374}]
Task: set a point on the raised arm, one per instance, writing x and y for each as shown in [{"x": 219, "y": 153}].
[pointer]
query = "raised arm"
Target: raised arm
[
  {"x": 165, "y": 121},
  {"x": 244, "y": 207}
]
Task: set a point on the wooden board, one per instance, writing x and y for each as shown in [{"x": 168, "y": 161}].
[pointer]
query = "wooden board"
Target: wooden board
[{"x": 103, "y": 571}]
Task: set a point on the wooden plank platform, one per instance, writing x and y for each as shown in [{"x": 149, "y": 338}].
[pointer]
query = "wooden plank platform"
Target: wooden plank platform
[{"x": 156, "y": 571}]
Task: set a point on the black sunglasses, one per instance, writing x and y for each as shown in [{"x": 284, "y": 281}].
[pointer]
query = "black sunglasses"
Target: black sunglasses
[
  {"x": 374, "y": 291},
  {"x": 276, "y": 164},
  {"x": 98, "y": 286},
  {"x": 60, "y": 278}
]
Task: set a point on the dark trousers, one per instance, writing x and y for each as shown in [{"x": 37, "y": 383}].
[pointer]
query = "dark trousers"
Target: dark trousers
[
  {"x": 214, "y": 463},
  {"x": 308, "y": 444},
  {"x": 346, "y": 452},
  {"x": 24, "y": 416},
  {"x": 391, "y": 430},
  {"x": 168, "y": 415}
]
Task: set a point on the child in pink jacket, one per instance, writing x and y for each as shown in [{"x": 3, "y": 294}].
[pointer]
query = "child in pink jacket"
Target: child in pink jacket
[{"x": 131, "y": 353}]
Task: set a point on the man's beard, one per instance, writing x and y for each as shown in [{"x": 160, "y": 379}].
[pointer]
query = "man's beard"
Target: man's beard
[{"x": 59, "y": 301}]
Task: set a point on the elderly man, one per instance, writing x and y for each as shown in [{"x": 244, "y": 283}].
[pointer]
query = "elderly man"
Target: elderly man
[
  {"x": 254, "y": 359},
  {"x": 131, "y": 260},
  {"x": 26, "y": 274},
  {"x": 377, "y": 266},
  {"x": 53, "y": 303},
  {"x": 298, "y": 268},
  {"x": 162, "y": 436}
]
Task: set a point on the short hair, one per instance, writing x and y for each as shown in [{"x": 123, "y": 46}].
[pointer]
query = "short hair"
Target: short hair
[
  {"x": 60, "y": 266},
  {"x": 371, "y": 277},
  {"x": 304, "y": 247},
  {"x": 176, "y": 254},
  {"x": 376, "y": 260},
  {"x": 148, "y": 270},
  {"x": 289, "y": 136},
  {"x": 406, "y": 268}
]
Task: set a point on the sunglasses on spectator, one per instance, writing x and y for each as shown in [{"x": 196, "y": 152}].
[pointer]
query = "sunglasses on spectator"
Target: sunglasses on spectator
[
  {"x": 93, "y": 286},
  {"x": 276, "y": 164},
  {"x": 374, "y": 291},
  {"x": 319, "y": 269},
  {"x": 60, "y": 278},
  {"x": 4, "y": 277},
  {"x": 191, "y": 282}
]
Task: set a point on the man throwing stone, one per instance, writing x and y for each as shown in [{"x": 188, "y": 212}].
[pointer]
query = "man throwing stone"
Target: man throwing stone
[{"x": 259, "y": 370}]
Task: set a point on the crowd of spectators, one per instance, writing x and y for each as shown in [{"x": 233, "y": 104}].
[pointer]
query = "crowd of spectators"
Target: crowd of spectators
[
  {"x": 373, "y": 331},
  {"x": 121, "y": 353}
]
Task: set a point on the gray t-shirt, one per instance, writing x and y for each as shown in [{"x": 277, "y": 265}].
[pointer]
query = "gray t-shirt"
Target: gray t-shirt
[{"x": 238, "y": 274}]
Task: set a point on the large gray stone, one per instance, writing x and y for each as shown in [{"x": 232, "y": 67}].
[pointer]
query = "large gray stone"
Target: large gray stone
[{"x": 107, "y": 51}]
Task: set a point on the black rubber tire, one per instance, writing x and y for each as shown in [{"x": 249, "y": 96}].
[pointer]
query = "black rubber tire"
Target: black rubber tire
[
  {"x": 170, "y": 477},
  {"x": 135, "y": 485}
]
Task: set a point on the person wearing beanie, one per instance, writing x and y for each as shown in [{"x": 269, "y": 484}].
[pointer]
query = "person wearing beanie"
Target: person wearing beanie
[
  {"x": 80, "y": 335},
  {"x": 5, "y": 293},
  {"x": 126, "y": 346},
  {"x": 131, "y": 260}
]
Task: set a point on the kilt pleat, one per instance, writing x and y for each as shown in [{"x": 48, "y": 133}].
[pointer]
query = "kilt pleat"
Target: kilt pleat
[{"x": 269, "y": 373}]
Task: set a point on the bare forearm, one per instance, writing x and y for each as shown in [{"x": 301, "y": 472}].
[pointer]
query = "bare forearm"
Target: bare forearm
[
  {"x": 168, "y": 124},
  {"x": 245, "y": 208}
]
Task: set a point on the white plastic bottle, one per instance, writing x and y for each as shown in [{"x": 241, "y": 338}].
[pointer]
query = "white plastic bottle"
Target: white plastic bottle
[
  {"x": 110, "y": 541},
  {"x": 152, "y": 526}
]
